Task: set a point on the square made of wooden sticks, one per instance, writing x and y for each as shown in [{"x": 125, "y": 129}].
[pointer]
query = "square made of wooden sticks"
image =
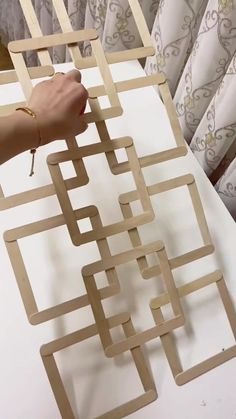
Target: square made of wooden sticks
[
  {"x": 47, "y": 353},
  {"x": 187, "y": 181},
  {"x": 182, "y": 377},
  {"x": 12, "y": 238},
  {"x": 89, "y": 274},
  {"x": 159, "y": 80},
  {"x": 77, "y": 237},
  {"x": 16, "y": 49}
]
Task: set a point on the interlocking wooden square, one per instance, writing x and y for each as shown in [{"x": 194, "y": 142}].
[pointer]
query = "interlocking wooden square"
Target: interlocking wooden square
[
  {"x": 47, "y": 353},
  {"x": 112, "y": 349},
  {"x": 182, "y": 377},
  {"x": 77, "y": 237}
]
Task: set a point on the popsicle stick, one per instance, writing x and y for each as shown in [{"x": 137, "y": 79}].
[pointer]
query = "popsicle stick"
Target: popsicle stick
[
  {"x": 22, "y": 74},
  {"x": 57, "y": 387},
  {"x": 121, "y": 258},
  {"x": 104, "y": 250},
  {"x": 182, "y": 377},
  {"x": 117, "y": 57},
  {"x": 181, "y": 260},
  {"x": 141, "y": 23},
  {"x": 199, "y": 211},
  {"x": 35, "y": 194},
  {"x": 43, "y": 42},
  {"x": 64, "y": 20},
  {"x": 47, "y": 354},
  {"x": 7, "y": 77},
  {"x": 132, "y": 84},
  {"x": 188, "y": 288},
  {"x": 105, "y": 72},
  {"x": 34, "y": 28}
]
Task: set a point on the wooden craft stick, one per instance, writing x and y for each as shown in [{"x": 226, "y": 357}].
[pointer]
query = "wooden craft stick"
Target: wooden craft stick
[
  {"x": 117, "y": 57},
  {"x": 141, "y": 23},
  {"x": 46, "y": 224},
  {"x": 81, "y": 335},
  {"x": 121, "y": 258},
  {"x": 22, "y": 74},
  {"x": 7, "y": 77},
  {"x": 187, "y": 289},
  {"x": 57, "y": 387},
  {"x": 78, "y": 164},
  {"x": 105, "y": 72},
  {"x": 182, "y": 377},
  {"x": 161, "y": 187},
  {"x": 64, "y": 20},
  {"x": 228, "y": 304},
  {"x": 55, "y": 380},
  {"x": 34, "y": 28},
  {"x": 205, "y": 366},
  {"x": 104, "y": 250},
  {"x": 35, "y": 194},
  {"x": 139, "y": 359},
  {"x": 143, "y": 337},
  {"x": 199, "y": 212},
  {"x": 132, "y": 84},
  {"x": 134, "y": 237},
  {"x": 181, "y": 260},
  {"x": 168, "y": 344},
  {"x": 43, "y": 42}
]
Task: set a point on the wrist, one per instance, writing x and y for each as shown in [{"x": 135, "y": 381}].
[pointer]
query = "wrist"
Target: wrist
[{"x": 26, "y": 130}]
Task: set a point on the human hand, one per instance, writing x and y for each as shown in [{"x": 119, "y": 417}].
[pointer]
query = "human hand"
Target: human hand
[{"x": 59, "y": 105}]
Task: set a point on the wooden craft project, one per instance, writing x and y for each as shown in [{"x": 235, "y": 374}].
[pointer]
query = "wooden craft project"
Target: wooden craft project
[
  {"x": 12, "y": 237},
  {"x": 77, "y": 237},
  {"x": 111, "y": 349},
  {"x": 159, "y": 80},
  {"x": 182, "y": 377},
  {"x": 55, "y": 379},
  {"x": 16, "y": 49},
  {"x": 87, "y": 62},
  {"x": 189, "y": 182}
]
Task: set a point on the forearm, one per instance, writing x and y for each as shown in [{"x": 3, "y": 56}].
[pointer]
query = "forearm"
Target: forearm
[{"x": 18, "y": 133}]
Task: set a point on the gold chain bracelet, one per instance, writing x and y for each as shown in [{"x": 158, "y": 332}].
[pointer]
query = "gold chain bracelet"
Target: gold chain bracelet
[{"x": 31, "y": 113}]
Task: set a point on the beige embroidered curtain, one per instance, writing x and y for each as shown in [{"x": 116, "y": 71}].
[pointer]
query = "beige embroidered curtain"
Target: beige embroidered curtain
[{"x": 195, "y": 43}]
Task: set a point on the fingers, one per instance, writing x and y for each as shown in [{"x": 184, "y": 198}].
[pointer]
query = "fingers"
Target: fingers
[{"x": 74, "y": 75}]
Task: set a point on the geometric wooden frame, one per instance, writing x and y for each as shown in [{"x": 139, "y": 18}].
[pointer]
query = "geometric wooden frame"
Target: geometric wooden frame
[
  {"x": 88, "y": 272},
  {"x": 181, "y": 377},
  {"x": 87, "y": 62},
  {"x": 181, "y": 181},
  {"x": 47, "y": 353},
  {"x": 16, "y": 49},
  {"x": 77, "y": 237},
  {"x": 11, "y": 237}
]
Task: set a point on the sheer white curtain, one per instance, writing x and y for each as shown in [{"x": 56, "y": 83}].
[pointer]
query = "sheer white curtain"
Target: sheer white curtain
[{"x": 195, "y": 43}]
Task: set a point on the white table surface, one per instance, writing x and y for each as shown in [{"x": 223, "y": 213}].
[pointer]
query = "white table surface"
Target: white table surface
[{"x": 96, "y": 384}]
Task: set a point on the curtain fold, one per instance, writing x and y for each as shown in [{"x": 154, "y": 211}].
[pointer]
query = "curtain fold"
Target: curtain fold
[{"x": 195, "y": 42}]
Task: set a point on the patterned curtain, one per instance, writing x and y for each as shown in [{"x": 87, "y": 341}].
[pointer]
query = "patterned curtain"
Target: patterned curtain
[{"x": 195, "y": 43}]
